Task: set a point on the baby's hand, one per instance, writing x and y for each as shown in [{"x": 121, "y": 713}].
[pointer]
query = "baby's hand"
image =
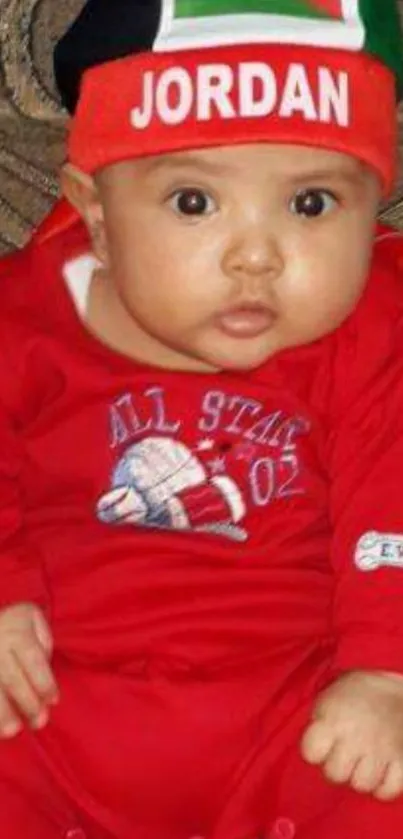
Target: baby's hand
[
  {"x": 356, "y": 734},
  {"x": 27, "y": 685}
]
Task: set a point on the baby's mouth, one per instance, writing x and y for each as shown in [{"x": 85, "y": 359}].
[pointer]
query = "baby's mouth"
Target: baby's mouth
[{"x": 248, "y": 320}]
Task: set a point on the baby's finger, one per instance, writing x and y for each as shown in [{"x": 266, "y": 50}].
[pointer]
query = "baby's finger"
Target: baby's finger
[
  {"x": 36, "y": 667},
  {"x": 391, "y": 786},
  {"x": 368, "y": 774},
  {"x": 10, "y": 723},
  {"x": 17, "y": 687},
  {"x": 340, "y": 764},
  {"x": 317, "y": 742}
]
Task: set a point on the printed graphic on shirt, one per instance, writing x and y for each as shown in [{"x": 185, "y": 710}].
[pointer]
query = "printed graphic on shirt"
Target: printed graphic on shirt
[
  {"x": 379, "y": 550},
  {"x": 159, "y": 483},
  {"x": 240, "y": 458}
]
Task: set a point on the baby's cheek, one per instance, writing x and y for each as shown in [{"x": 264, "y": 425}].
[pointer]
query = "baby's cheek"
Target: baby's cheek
[{"x": 331, "y": 300}]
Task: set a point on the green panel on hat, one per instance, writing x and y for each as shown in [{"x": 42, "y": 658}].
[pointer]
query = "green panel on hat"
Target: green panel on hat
[
  {"x": 200, "y": 8},
  {"x": 383, "y": 34}
]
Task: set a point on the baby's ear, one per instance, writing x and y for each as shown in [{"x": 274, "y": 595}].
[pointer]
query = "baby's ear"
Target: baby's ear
[{"x": 82, "y": 192}]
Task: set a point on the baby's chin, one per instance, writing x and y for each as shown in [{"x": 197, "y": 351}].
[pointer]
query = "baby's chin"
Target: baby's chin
[
  {"x": 218, "y": 354},
  {"x": 247, "y": 354},
  {"x": 241, "y": 361}
]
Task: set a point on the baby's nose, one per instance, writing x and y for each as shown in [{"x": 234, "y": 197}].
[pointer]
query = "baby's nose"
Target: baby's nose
[{"x": 253, "y": 257}]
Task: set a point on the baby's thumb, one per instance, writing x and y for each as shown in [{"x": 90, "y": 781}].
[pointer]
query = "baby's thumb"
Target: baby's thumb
[
  {"x": 42, "y": 631},
  {"x": 317, "y": 742}
]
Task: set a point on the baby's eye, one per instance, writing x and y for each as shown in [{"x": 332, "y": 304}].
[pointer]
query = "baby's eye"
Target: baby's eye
[
  {"x": 313, "y": 203},
  {"x": 192, "y": 202}
]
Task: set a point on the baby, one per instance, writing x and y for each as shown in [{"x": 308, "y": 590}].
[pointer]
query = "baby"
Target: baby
[{"x": 201, "y": 430}]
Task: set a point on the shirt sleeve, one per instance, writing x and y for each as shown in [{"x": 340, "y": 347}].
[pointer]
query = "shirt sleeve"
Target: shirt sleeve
[
  {"x": 21, "y": 571},
  {"x": 366, "y": 484}
]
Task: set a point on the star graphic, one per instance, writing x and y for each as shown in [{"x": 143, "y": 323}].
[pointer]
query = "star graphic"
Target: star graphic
[{"x": 205, "y": 445}]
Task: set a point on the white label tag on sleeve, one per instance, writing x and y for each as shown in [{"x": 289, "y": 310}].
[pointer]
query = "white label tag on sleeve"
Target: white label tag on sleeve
[{"x": 379, "y": 550}]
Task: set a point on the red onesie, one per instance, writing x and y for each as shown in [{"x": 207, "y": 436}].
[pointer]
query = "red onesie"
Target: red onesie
[{"x": 210, "y": 550}]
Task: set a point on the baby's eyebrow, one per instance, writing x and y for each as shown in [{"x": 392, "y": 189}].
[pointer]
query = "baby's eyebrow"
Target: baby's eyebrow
[
  {"x": 188, "y": 161},
  {"x": 342, "y": 173}
]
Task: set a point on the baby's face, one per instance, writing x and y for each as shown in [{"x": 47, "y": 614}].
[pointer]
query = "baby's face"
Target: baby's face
[{"x": 226, "y": 256}]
